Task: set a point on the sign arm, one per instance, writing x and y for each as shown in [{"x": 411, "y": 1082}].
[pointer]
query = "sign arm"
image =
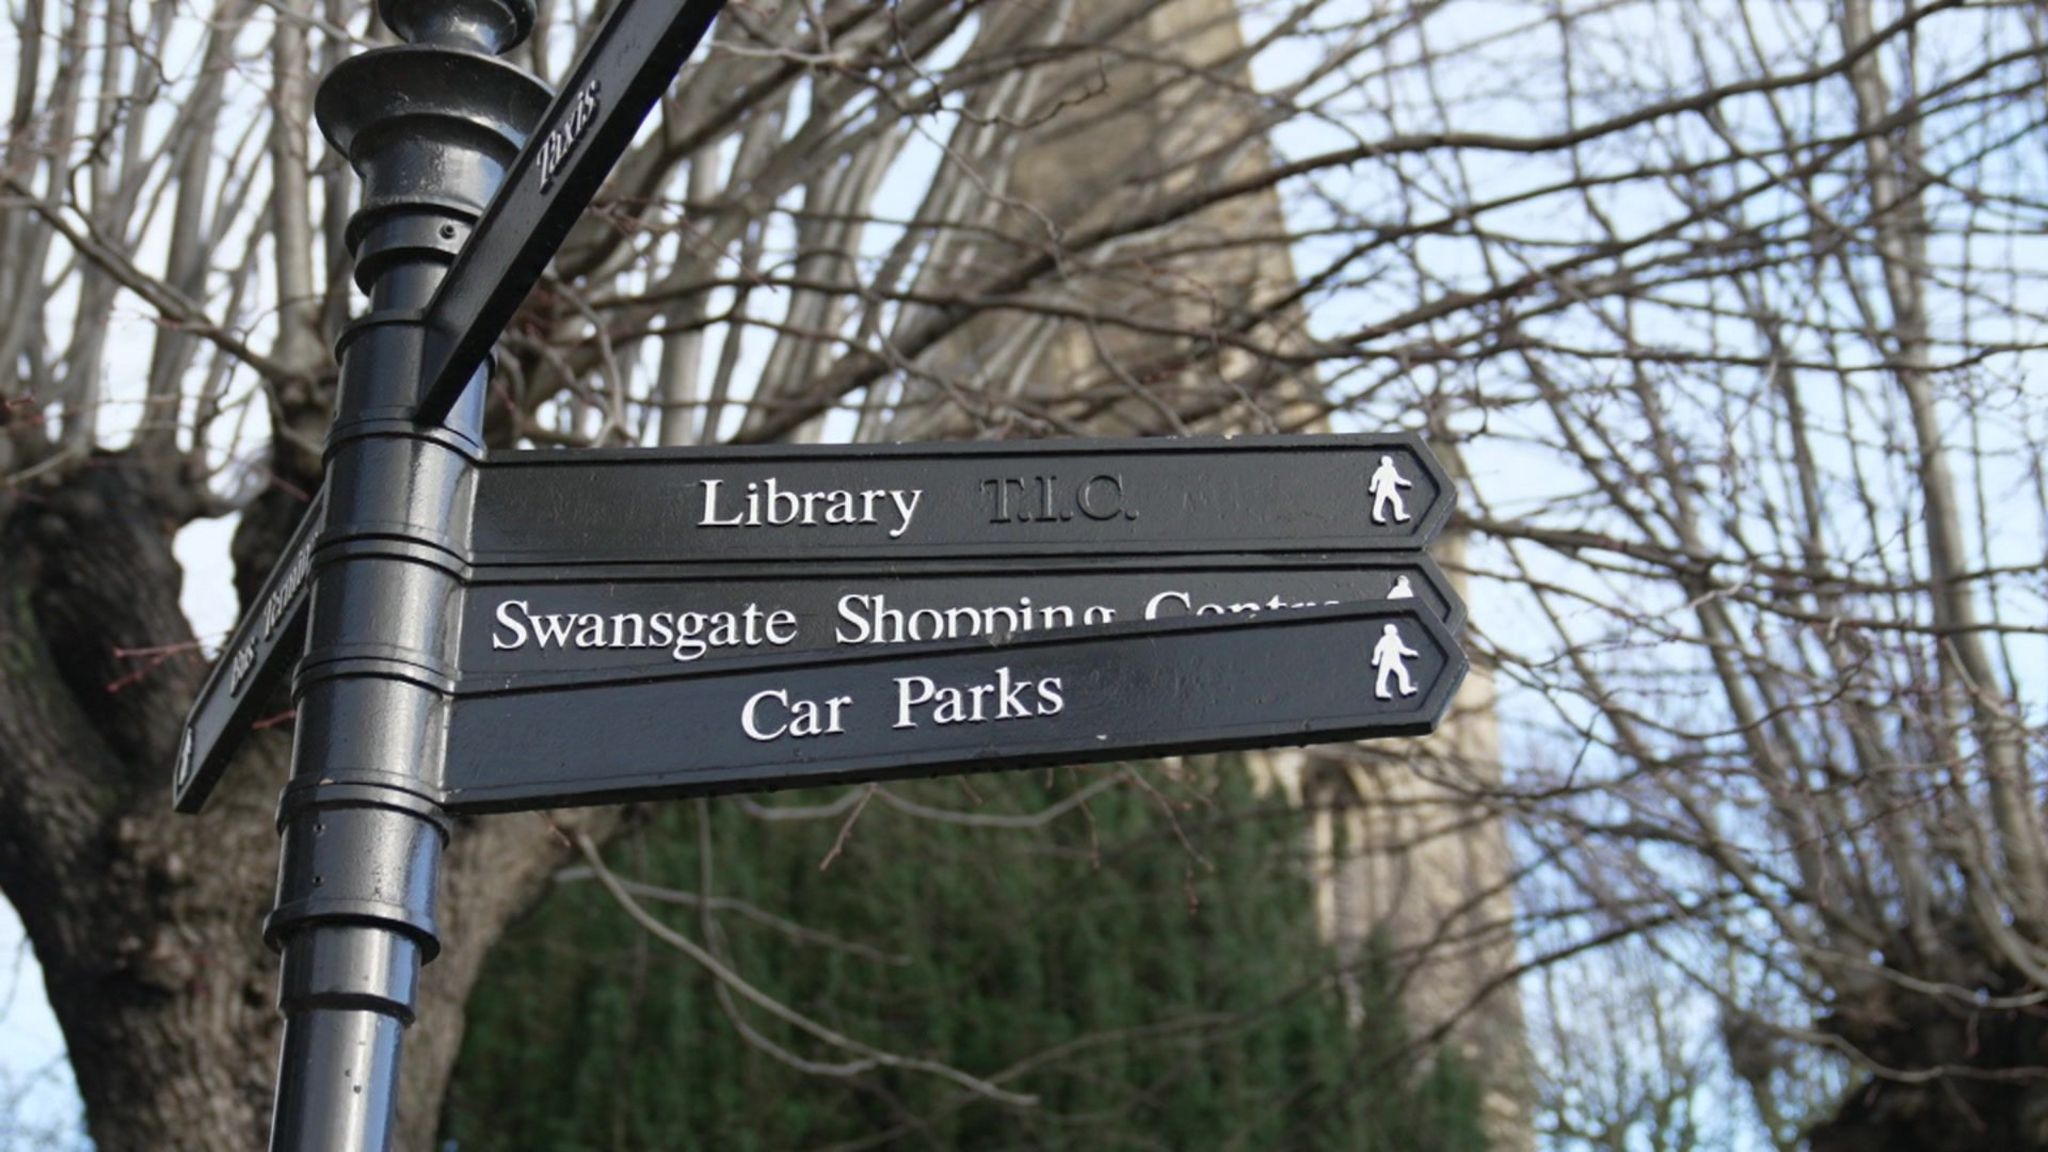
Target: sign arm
[
  {"x": 1120, "y": 691},
  {"x": 267, "y": 642},
  {"x": 620, "y": 77}
]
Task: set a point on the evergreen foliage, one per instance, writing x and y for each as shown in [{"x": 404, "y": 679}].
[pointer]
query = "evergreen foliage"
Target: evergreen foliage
[{"x": 1153, "y": 993}]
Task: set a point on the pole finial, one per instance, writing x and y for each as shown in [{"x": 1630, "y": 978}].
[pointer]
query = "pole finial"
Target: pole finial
[{"x": 493, "y": 27}]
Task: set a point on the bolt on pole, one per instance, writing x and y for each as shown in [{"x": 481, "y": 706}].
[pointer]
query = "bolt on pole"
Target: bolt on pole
[{"x": 429, "y": 127}]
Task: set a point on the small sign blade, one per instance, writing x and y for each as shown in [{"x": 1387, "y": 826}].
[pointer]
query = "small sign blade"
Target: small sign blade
[
  {"x": 265, "y": 644},
  {"x": 629, "y": 64},
  {"x": 1120, "y": 692}
]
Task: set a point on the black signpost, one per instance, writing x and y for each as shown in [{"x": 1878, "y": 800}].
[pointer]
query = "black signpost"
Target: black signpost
[{"x": 470, "y": 633}]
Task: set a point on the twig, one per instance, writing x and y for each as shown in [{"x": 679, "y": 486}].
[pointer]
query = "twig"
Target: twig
[
  {"x": 869, "y": 1057},
  {"x": 846, "y": 829}
]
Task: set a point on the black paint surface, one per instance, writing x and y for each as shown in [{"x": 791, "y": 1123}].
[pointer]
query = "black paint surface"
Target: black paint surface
[
  {"x": 1162, "y": 497},
  {"x": 268, "y": 640},
  {"x": 1128, "y": 692}
]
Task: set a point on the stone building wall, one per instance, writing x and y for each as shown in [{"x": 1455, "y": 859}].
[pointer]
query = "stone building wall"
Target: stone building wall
[{"x": 1145, "y": 102}]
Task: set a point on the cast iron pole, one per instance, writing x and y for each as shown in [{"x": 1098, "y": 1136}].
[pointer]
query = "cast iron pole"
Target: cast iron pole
[{"x": 430, "y": 127}]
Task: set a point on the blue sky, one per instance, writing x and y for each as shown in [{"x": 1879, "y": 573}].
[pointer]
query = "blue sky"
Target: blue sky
[{"x": 38, "y": 1098}]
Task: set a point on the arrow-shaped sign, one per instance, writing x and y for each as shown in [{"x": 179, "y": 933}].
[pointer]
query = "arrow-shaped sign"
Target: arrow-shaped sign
[
  {"x": 264, "y": 645},
  {"x": 627, "y": 67},
  {"x": 524, "y": 627},
  {"x": 1121, "y": 692},
  {"x": 1015, "y": 500}
]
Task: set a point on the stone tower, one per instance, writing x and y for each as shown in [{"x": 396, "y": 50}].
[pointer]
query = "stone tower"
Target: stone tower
[{"x": 1147, "y": 103}]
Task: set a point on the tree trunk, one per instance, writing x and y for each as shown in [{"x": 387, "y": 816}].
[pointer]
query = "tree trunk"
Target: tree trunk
[
  {"x": 494, "y": 870},
  {"x": 145, "y": 923},
  {"x": 148, "y": 924}
]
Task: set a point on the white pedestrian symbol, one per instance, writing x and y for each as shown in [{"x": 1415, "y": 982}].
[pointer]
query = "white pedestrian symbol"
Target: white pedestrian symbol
[
  {"x": 1385, "y": 486},
  {"x": 1401, "y": 590},
  {"x": 1389, "y": 656}
]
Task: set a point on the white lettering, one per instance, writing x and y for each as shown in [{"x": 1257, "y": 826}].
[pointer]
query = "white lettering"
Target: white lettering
[
  {"x": 869, "y": 619},
  {"x": 767, "y": 503},
  {"x": 689, "y": 644},
  {"x": 1153, "y": 605},
  {"x": 711, "y": 506},
  {"x": 1050, "y": 701},
  {"x": 905, "y": 508},
  {"x": 507, "y": 620},
  {"x": 849, "y": 614},
  {"x": 747, "y": 715},
  {"x": 619, "y": 622},
  {"x": 556, "y": 146},
  {"x": 806, "y": 718},
  {"x": 552, "y": 629},
  {"x": 245, "y": 659},
  {"x": 776, "y": 497},
  {"x": 686, "y": 635},
  {"x": 910, "y": 692},
  {"x": 1007, "y": 698}
]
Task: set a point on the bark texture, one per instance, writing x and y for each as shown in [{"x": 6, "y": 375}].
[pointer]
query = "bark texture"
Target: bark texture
[{"x": 147, "y": 924}]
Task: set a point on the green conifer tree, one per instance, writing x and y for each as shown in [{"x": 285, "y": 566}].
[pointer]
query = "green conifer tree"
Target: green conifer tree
[{"x": 1148, "y": 968}]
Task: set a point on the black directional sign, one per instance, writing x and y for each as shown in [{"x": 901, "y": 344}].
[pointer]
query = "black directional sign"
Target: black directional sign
[
  {"x": 629, "y": 64},
  {"x": 262, "y": 648},
  {"x": 529, "y": 626},
  {"x": 654, "y": 623},
  {"x": 1122, "y": 691},
  {"x": 927, "y": 501}
]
